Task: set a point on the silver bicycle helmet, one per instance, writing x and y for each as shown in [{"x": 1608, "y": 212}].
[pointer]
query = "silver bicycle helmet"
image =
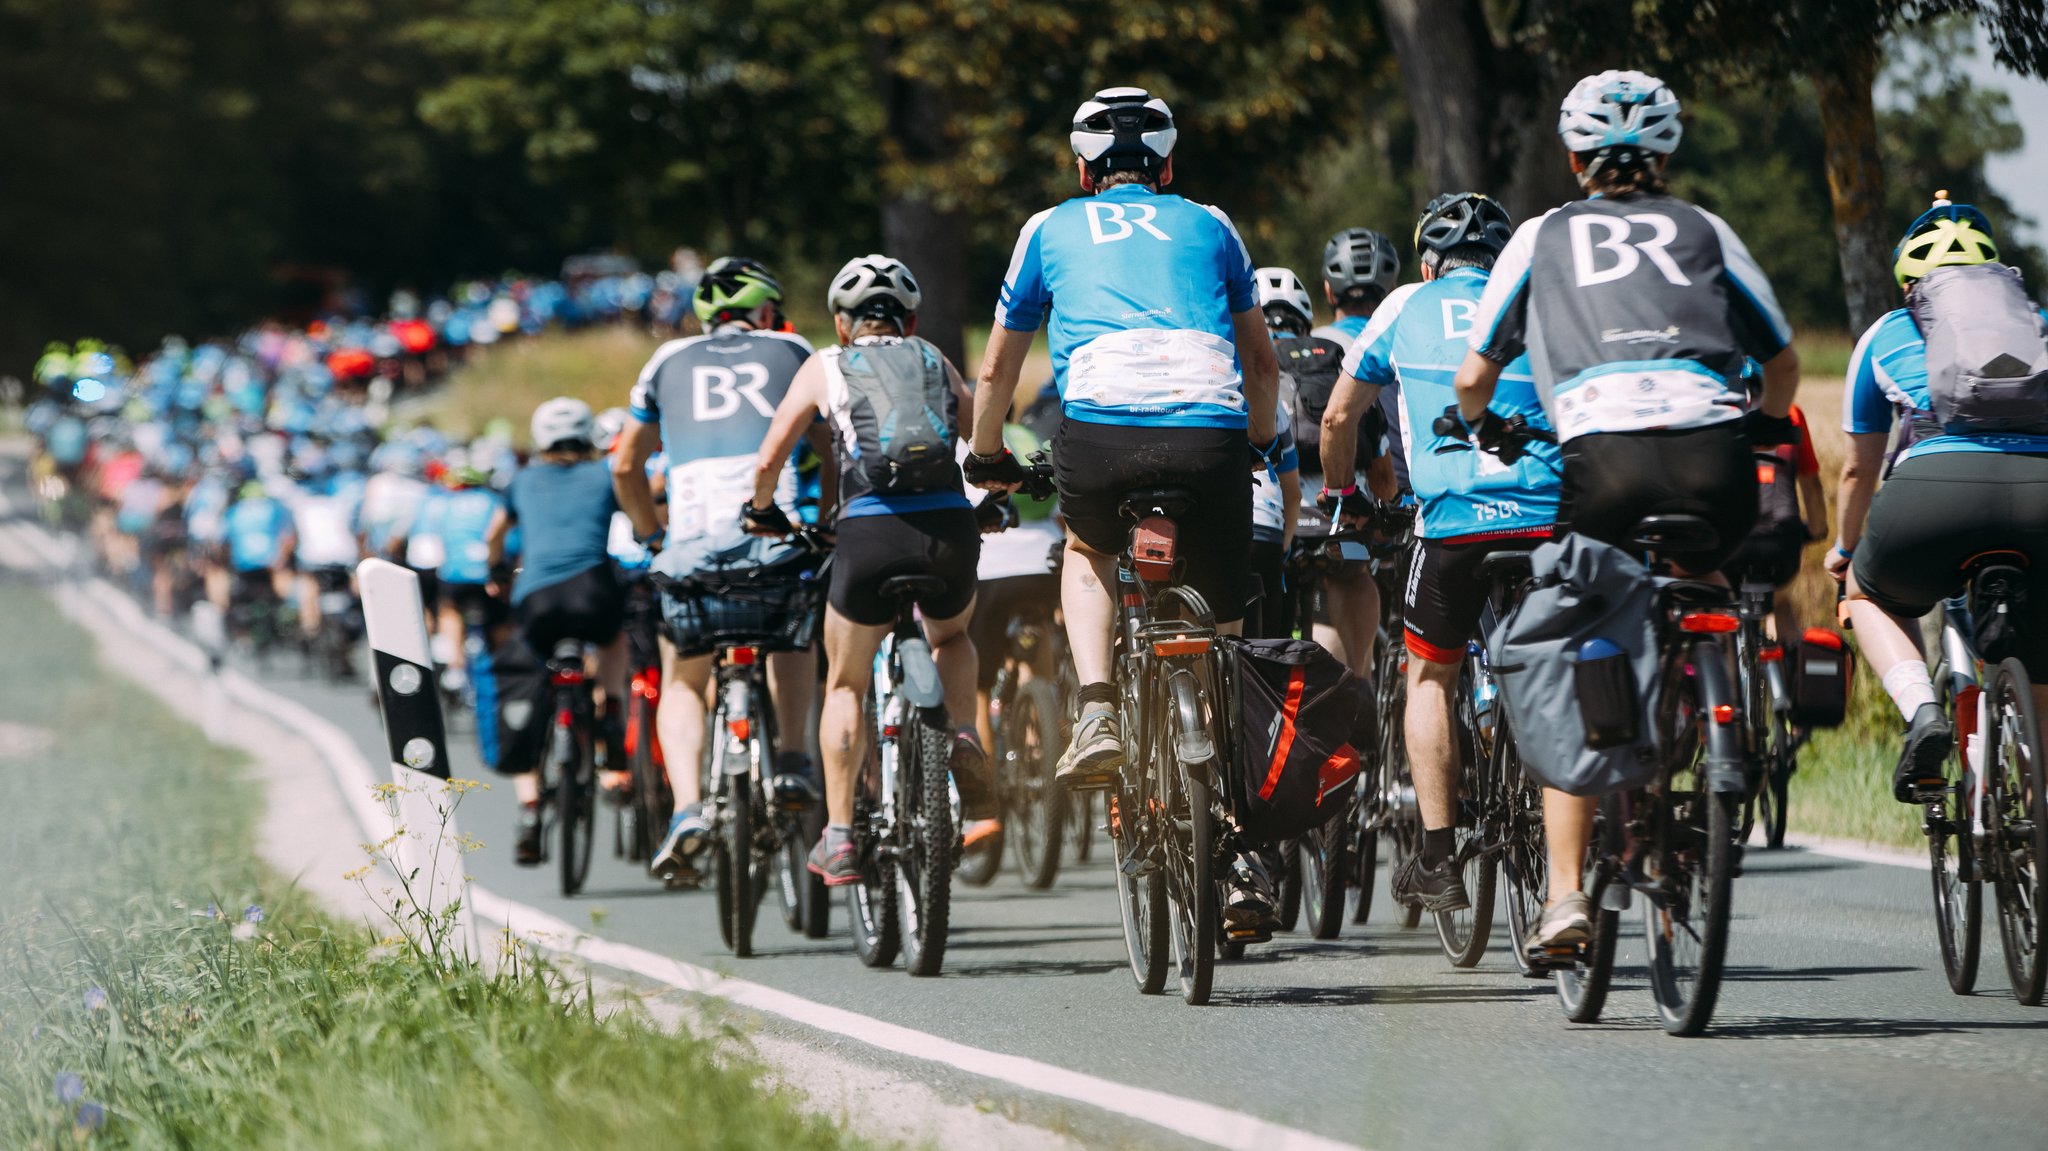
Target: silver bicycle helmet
[
  {"x": 874, "y": 285},
  {"x": 1121, "y": 128},
  {"x": 1360, "y": 258},
  {"x": 562, "y": 422}
]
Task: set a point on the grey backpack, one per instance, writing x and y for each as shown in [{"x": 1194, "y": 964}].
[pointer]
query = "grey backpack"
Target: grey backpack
[
  {"x": 1583, "y": 590},
  {"x": 896, "y": 426},
  {"x": 1987, "y": 350}
]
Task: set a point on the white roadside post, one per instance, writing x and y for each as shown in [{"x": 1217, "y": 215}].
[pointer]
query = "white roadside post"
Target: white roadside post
[{"x": 426, "y": 847}]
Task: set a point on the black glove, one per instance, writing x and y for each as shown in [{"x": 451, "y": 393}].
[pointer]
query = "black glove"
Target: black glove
[
  {"x": 768, "y": 521},
  {"x": 1338, "y": 504},
  {"x": 1001, "y": 468},
  {"x": 1767, "y": 431},
  {"x": 995, "y": 513},
  {"x": 1491, "y": 435}
]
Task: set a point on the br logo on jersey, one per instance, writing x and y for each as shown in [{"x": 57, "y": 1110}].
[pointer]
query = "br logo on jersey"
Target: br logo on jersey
[
  {"x": 715, "y": 392},
  {"x": 1458, "y": 319},
  {"x": 1109, "y": 221},
  {"x": 1591, "y": 267}
]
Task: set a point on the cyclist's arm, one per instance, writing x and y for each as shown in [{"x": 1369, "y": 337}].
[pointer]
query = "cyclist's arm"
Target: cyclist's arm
[
  {"x": 1781, "y": 382},
  {"x": 1001, "y": 366},
  {"x": 1859, "y": 482},
  {"x": 1382, "y": 480},
  {"x": 629, "y": 476},
  {"x": 1477, "y": 378},
  {"x": 1261, "y": 367},
  {"x": 1290, "y": 507},
  {"x": 797, "y": 413},
  {"x": 1349, "y": 401},
  {"x": 494, "y": 536}
]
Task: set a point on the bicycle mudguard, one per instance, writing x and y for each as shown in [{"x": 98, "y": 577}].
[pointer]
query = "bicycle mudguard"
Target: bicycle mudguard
[
  {"x": 1727, "y": 767},
  {"x": 1152, "y": 548},
  {"x": 920, "y": 674}
]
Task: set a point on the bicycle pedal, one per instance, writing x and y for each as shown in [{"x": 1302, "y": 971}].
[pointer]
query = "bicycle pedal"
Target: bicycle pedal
[
  {"x": 1248, "y": 935},
  {"x": 1095, "y": 782},
  {"x": 1544, "y": 960},
  {"x": 1137, "y": 868}
]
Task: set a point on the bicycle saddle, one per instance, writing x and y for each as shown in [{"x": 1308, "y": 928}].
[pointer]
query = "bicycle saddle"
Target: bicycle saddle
[
  {"x": 1675, "y": 534},
  {"x": 1508, "y": 563},
  {"x": 1997, "y": 575},
  {"x": 916, "y": 588},
  {"x": 1173, "y": 503},
  {"x": 568, "y": 651}
]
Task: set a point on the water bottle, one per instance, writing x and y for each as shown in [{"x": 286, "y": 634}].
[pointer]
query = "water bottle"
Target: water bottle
[
  {"x": 1606, "y": 685},
  {"x": 1483, "y": 695}
]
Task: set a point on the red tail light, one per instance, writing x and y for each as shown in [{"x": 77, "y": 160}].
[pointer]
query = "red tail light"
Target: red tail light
[
  {"x": 1724, "y": 713},
  {"x": 740, "y": 728},
  {"x": 1708, "y": 623},
  {"x": 742, "y": 656}
]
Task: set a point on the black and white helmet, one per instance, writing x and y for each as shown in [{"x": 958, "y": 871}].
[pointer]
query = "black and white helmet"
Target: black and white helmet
[
  {"x": 1459, "y": 220},
  {"x": 1359, "y": 258},
  {"x": 1123, "y": 128},
  {"x": 1281, "y": 291},
  {"x": 875, "y": 285}
]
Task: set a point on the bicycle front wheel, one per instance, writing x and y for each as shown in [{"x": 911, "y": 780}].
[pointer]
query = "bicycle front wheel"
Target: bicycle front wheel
[
  {"x": 2017, "y": 825},
  {"x": 1325, "y": 874},
  {"x": 1582, "y": 986},
  {"x": 924, "y": 876},
  {"x": 734, "y": 864}
]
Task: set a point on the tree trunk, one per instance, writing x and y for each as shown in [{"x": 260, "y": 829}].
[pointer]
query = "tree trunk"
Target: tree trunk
[
  {"x": 930, "y": 238},
  {"x": 1855, "y": 169}
]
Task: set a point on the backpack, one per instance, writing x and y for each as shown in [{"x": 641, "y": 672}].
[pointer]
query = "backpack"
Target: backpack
[
  {"x": 512, "y": 716},
  {"x": 1777, "y": 493},
  {"x": 1312, "y": 363},
  {"x": 1987, "y": 350},
  {"x": 896, "y": 425},
  {"x": 1302, "y": 722},
  {"x": 1585, "y": 595}
]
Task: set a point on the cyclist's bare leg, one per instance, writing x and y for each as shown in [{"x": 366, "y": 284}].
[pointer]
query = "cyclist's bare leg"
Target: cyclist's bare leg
[
  {"x": 1088, "y": 600},
  {"x": 309, "y": 604},
  {"x": 953, "y": 652},
  {"x": 842, "y": 729},
  {"x": 612, "y": 674},
  {"x": 1353, "y": 597},
  {"x": 1568, "y": 828},
  {"x": 793, "y": 686},
  {"x": 680, "y": 720},
  {"x": 1432, "y": 758},
  {"x": 451, "y": 637}
]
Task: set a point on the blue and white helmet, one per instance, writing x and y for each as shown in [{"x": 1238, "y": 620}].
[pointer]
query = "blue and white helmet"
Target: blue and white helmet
[
  {"x": 1120, "y": 128},
  {"x": 1618, "y": 109}
]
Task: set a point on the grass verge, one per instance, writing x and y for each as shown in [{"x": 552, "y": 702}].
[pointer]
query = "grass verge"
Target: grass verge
[{"x": 165, "y": 991}]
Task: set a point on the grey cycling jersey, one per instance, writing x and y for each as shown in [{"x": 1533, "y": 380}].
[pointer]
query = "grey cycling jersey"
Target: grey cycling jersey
[
  {"x": 1637, "y": 313},
  {"x": 714, "y": 397}
]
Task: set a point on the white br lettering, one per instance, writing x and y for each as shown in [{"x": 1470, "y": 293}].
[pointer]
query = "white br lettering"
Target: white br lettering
[
  {"x": 715, "y": 391},
  {"x": 1458, "y": 318},
  {"x": 1109, "y": 221},
  {"x": 1628, "y": 254}
]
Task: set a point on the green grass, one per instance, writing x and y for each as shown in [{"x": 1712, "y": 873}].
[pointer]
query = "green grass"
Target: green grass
[
  {"x": 1825, "y": 353},
  {"x": 133, "y": 1016}
]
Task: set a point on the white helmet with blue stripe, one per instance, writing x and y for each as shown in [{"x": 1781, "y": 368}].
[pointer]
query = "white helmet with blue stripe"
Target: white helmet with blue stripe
[
  {"x": 1617, "y": 109},
  {"x": 1123, "y": 128}
]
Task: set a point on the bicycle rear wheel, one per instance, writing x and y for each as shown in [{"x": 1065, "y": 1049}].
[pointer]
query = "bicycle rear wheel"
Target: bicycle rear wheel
[
  {"x": 1192, "y": 881},
  {"x": 1325, "y": 875},
  {"x": 1691, "y": 863},
  {"x": 1038, "y": 809},
  {"x": 1958, "y": 902},
  {"x": 652, "y": 801},
  {"x": 1365, "y": 853},
  {"x": 1582, "y": 987},
  {"x": 1463, "y": 934},
  {"x": 924, "y": 875},
  {"x": 734, "y": 864},
  {"x": 2017, "y": 825},
  {"x": 574, "y": 798}
]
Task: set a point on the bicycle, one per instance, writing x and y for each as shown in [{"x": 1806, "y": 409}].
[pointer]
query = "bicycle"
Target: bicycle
[
  {"x": 653, "y": 799},
  {"x": 1767, "y": 717},
  {"x": 763, "y": 821},
  {"x": 341, "y": 623},
  {"x": 904, "y": 833},
  {"x": 1671, "y": 841},
  {"x": 568, "y": 783},
  {"x": 1389, "y": 810},
  {"x": 1991, "y": 824}
]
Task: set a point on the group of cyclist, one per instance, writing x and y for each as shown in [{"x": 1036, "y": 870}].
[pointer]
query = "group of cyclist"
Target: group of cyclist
[{"x": 1632, "y": 330}]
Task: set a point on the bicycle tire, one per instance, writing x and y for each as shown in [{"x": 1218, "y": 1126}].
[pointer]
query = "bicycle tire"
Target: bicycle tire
[
  {"x": 737, "y": 896},
  {"x": 1582, "y": 988},
  {"x": 871, "y": 903},
  {"x": 651, "y": 794},
  {"x": 1324, "y": 862},
  {"x": 1288, "y": 883},
  {"x": 2017, "y": 824},
  {"x": 1141, "y": 905},
  {"x": 1192, "y": 882},
  {"x": 1031, "y": 744},
  {"x": 1685, "y": 924},
  {"x": 1958, "y": 902},
  {"x": 1463, "y": 934},
  {"x": 1135, "y": 849},
  {"x": 1365, "y": 851},
  {"x": 575, "y": 803},
  {"x": 791, "y": 873},
  {"x": 979, "y": 865},
  {"x": 924, "y": 878},
  {"x": 1081, "y": 830},
  {"x": 1775, "y": 799}
]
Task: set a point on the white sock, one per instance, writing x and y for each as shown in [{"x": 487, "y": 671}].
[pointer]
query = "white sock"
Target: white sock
[{"x": 1909, "y": 687}]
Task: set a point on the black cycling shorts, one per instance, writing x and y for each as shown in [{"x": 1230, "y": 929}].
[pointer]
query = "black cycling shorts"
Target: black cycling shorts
[
  {"x": 1936, "y": 513},
  {"x": 870, "y": 549},
  {"x": 472, "y": 598},
  {"x": 588, "y": 606},
  {"x": 1270, "y": 616},
  {"x": 257, "y": 586},
  {"x": 1097, "y": 465},
  {"x": 1000, "y": 601},
  {"x": 1770, "y": 557},
  {"x": 1444, "y": 594},
  {"x": 1613, "y": 480}
]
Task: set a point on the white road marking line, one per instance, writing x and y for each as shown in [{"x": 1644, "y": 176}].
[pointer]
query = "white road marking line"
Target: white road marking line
[{"x": 1194, "y": 1119}]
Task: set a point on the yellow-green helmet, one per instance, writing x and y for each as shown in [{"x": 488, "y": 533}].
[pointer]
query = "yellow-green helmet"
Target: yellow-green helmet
[
  {"x": 1944, "y": 235},
  {"x": 733, "y": 285}
]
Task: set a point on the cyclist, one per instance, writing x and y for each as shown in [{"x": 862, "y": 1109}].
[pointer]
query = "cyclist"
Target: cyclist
[
  {"x": 259, "y": 537},
  {"x": 1791, "y": 512},
  {"x": 1360, "y": 269},
  {"x": 566, "y": 588},
  {"x": 323, "y": 517},
  {"x": 926, "y": 528},
  {"x": 1640, "y": 308},
  {"x": 1133, "y": 276},
  {"x": 1276, "y": 498},
  {"x": 707, "y": 401},
  {"x": 1949, "y": 496},
  {"x": 1471, "y": 504},
  {"x": 457, "y": 519}
]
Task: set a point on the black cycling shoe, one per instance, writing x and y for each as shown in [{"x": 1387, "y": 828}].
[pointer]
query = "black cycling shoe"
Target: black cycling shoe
[
  {"x": 526, "y": 846},
  {"x": 1439, "y": 888},
  {"x": 1923, "y": 763}
]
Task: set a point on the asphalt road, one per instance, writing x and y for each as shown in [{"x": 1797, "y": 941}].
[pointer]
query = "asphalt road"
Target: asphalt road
[{"x": 1835, "y": 1027}]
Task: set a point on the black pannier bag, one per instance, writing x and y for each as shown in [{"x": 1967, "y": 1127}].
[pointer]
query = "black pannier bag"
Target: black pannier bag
[
  {"x": 512, "y": 725},
  {"x": 1822, "y": 668},
  {"x": 1303, "y": 722}
]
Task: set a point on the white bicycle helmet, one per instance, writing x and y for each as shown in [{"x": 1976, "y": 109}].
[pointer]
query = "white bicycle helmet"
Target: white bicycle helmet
[
  {"x": 561, "y": 422},
  {"x": 609, "y": 425},
  {"x": 874, "y": 285},
  {"x": 1120, "y": 128},
  {"x": 1617, "y": 109},
  {"x": 1280, "y": 288}
]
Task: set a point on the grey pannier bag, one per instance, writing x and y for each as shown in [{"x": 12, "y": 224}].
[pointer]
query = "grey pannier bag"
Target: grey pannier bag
[
  {"x": 1583, "y": 592},
  {"x": 1987, "y": 350}
]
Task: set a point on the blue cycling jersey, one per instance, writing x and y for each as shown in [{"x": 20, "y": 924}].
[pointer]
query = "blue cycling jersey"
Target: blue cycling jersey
[
  {"x": 256, "y": 531},
  {"x": 1888, "y": 377},
  {"x": 1414, "y": 344},
  {"x": 1343, "y": 329},
  {"x": 460, "y": 519},
  {"x": 1141, "y": 287}
]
